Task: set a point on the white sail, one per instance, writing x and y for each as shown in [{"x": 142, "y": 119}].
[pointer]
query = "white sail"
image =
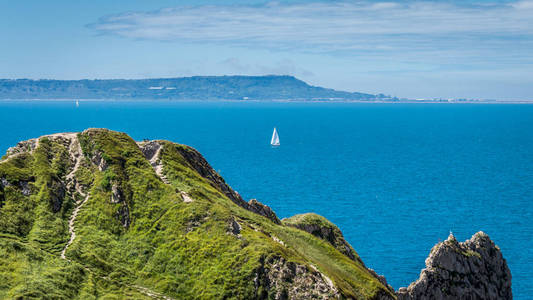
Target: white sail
[
  {"x": 275, "y": 138},
  {"x": 77, "y": 103}
]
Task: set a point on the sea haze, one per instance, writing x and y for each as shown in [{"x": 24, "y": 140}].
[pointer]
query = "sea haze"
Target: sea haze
[{"x": 396, "y": 178}]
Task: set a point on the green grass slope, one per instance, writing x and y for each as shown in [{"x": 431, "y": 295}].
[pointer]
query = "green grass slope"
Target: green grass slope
[{"x": 136, "y": 237}]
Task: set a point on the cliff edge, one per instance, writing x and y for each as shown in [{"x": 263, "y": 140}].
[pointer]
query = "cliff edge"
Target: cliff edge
[{"x": 94, "y": 215}]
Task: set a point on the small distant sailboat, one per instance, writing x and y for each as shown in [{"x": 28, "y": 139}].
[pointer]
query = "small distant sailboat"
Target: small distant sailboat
[
  {"x": 275, "y": 138},
  {"x": 77, "y": 103}
]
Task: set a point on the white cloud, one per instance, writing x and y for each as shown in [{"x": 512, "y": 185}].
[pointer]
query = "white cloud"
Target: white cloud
[
  {"x": 526, "y": 5},
  {"x": 502, "y": 32}
]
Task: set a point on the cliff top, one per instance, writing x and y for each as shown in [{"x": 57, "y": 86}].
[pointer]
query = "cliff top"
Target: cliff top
[{"x": 151, "y": 220}]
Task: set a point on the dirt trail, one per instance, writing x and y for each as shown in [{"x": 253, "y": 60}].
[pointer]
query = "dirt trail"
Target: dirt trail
[
  {"x": 75, "y": 155},
  {"x": 158, "y": 166},
  {"x": 150, "y": 293}
]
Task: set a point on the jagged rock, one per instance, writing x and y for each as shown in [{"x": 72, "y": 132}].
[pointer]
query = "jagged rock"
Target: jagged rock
[
  {"x": 281, "y": 279},
  {"x": 474, "y": 269},
  {"x": 264, "y": 210},
  {"x": 25, "y": 188},
  {"x": 235, "y": 227},
  {"x": 21, "y": 147},
  {"x": 99, "y": 161},
  {"x": 149, "y": 149}
]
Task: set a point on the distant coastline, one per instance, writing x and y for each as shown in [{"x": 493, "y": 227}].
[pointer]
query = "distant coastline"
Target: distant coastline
[
  {"x": 403, "y": 101},
  {"x": 277, "y": 88}
]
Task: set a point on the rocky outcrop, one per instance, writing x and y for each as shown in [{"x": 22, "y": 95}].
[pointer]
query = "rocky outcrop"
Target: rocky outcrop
[
  {"x": 277, "y": 278},
  {"x": 324, "y": 229},
  {"x": 261, "y": 209},
  {"x": 474, "y": 269},
  {"x": 117, "y": 196},
  {"x": 22, "y": 147},
  {"x": 97, "y": 158},
  {"x": 234, "y": 227},
  {"x": 149, "y": 149},
  {"x": 24, "y": 186}
]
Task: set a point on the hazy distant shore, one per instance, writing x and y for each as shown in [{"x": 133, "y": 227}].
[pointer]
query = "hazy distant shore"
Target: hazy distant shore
[{"x": 273, "y": 100}]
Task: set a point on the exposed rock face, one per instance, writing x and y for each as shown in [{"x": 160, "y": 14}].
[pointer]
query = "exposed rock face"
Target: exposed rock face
[
  {"x": 474, "y": 269},
  {"x": 57, "y": 194},
  {"x": 235, "y": 227},
  {"x": 264, "y": 210},
  {"x": 123, "y": 215},
  {"x": 292, "y": 281},
  {"x": 21, "y": 147},
  {"x": 149, "y": 149},
  {"x": 99, "y": 161},
  {"x": 24, "y": 186},
  {"x": 118, "y": 197},
  {"x": 116, "y": 194}
]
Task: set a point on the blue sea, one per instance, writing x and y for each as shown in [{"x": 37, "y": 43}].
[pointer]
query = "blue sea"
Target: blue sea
[{"x": 396, "y": 178}]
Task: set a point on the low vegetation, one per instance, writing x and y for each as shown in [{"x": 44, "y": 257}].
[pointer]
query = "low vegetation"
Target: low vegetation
[{"x": 136, "y": 233}]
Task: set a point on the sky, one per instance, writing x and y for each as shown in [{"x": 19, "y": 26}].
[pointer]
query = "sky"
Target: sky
[{"x": 413, "y": 49}]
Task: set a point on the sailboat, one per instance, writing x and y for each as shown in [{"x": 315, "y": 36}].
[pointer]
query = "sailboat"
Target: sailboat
[
  {"x": 77, "y": 103},
  {"x": 275, "y": 138}
]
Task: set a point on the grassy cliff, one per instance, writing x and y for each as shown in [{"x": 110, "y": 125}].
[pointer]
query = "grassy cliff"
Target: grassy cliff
[{"x": 151, "y": 220}]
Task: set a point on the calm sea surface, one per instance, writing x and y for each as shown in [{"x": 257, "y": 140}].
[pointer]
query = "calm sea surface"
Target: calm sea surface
[{"x": 396, "y": 178}]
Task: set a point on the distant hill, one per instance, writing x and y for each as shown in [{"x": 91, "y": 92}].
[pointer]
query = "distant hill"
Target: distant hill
[{"x": 271, "y": 87}]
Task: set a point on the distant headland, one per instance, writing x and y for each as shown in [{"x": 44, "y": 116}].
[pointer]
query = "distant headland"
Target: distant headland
[
  {"x": 269, "y": 87},
  {"x": 197, "y": 88}
]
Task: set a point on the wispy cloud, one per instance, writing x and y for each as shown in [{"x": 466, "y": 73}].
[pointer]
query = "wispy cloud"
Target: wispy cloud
[{"x": 503, "y": 32}]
